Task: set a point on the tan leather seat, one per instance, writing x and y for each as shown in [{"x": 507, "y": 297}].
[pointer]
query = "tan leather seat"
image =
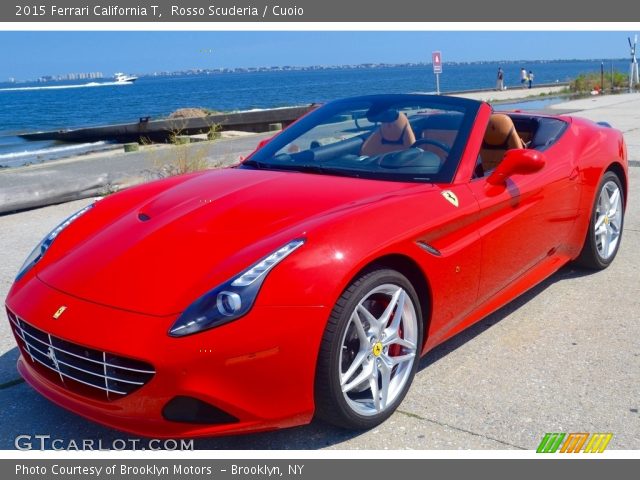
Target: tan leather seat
[
  {"x": 500, "y": 136},
  {"x": 389, "y": 137}
]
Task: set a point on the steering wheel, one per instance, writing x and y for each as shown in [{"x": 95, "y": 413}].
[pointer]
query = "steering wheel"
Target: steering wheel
[{"x": 427, "y": 141}]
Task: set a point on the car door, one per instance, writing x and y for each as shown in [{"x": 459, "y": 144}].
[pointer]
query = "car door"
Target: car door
[{"x": 524, "y": 221}]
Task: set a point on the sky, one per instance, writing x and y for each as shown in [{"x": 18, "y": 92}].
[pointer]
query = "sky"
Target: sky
[{"x": 28, "y": 55}]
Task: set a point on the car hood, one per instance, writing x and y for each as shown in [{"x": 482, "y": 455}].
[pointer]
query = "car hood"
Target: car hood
[{"x": 159, "y": 254}]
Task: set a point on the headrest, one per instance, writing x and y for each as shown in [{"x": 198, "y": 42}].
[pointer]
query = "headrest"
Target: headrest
[
  {"x": 499, "y": 129},
  {"x": 384, "y": 115}
]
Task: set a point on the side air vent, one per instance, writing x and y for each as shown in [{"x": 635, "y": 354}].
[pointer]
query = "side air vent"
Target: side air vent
[{"x": 428, "y": 248}]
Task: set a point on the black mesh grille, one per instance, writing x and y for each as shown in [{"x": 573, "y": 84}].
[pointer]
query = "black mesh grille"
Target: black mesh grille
[{"x": 83, "y": 370}]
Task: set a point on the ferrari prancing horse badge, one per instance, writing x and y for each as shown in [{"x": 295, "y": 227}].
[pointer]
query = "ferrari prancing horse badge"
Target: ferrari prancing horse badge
[{"x": 450, "y": 197}]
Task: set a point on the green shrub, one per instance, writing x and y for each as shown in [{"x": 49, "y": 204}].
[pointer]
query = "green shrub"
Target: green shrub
[
  {"x": 214, "y": 132},
  {"x": 587, "y": 82}
]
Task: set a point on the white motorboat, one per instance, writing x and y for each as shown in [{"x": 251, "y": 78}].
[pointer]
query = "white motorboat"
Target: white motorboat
[{"x": 124, "y": 78}]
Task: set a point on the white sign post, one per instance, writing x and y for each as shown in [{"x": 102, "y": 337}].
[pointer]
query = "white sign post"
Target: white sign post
[
  {"x": 633, "y": 68},
  {"x": 436, "y": 60}
]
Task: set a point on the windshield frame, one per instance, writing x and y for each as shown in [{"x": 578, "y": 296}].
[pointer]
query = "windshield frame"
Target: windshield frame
[{"x": 260, "y": 158}]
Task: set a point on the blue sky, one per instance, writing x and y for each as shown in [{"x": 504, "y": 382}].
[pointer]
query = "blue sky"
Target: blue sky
[{"x": 27, "y": 55}]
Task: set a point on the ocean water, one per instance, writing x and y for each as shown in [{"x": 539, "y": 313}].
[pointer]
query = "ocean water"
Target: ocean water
[{"x": 56, "y": 105}]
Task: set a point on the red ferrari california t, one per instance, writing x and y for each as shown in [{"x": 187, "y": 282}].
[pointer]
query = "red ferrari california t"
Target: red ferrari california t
[{"x": 309, "y": 279}]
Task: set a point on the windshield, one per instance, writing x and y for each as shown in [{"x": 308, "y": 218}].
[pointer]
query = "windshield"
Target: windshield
[{"x": 392, "y": 137}]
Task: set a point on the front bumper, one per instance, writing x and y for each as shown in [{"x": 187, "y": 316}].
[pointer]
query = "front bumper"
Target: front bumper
[{"x": 259, "y": 369}]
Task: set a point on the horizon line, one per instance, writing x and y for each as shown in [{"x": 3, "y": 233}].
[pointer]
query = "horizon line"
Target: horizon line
[{"x": 223, "y": 69}]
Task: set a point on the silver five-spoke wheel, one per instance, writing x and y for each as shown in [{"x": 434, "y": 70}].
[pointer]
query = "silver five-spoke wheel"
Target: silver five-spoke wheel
[
  {"x": 608, "y": 219},
  {"x": 605, "y": 225},
  {"x": 370, "y": 350},
  {"x": 378, "y": 349}
]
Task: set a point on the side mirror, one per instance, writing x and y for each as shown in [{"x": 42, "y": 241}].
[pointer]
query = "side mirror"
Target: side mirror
[{"x": 517, "y": 162}]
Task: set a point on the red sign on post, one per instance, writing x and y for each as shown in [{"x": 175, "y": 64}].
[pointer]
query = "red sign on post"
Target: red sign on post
[{"x": 436, "y": 59}]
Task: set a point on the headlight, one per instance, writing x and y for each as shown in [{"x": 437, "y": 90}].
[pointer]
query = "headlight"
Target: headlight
[
  {"x": 38, "y": 252},
  {"x": 232, "y": 299}
]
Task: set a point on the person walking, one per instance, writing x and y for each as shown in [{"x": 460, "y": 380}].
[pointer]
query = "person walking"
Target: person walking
[
  {"x": 523, "y": 77},
  {"x": 530, "y": 78},
  {"x": 500, "y": 80}
]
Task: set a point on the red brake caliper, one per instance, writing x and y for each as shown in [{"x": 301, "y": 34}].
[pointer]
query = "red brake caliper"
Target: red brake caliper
[{"x": 395, "y": 349}]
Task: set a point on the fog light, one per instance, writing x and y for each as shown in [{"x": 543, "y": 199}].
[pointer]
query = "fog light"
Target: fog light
[
  {"x": 228, "y": 303},
  {"x": 192, "y": 410}
]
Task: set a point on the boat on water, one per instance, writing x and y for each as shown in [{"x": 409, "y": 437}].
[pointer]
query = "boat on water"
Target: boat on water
[{"x": 124, "y": 78}]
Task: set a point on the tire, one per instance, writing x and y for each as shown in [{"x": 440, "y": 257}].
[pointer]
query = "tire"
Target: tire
[
  {"x": 605, "y": 227},
  {"x": 364, "y": 373}
]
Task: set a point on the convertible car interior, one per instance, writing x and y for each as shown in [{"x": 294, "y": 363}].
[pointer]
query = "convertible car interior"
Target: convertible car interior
[
  {"x": 507, "y": 131},
  {"x": 415, "y": 140},
  {"x": 501, "y": 136},
  {"x": 394, "y": 133}
]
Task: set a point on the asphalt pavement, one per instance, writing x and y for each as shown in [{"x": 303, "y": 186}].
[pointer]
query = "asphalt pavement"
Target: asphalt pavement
[{"x": 564, "y": 357}]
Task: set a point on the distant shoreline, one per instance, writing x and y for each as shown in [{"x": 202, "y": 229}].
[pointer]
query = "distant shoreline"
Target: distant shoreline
[{"x": 307, "y": 68}]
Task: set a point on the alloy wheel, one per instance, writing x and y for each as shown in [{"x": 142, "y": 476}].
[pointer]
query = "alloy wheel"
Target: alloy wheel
[
  {"x": 379, "y": 346},
  {"x": 608, "y": 219}
]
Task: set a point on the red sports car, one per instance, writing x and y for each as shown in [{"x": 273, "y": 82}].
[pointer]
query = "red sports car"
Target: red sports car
[{"x": 309, "y": 279}]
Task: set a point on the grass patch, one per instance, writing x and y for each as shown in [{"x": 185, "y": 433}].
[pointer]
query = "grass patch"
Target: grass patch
[
  {"x": 215, "y": 132},
  {"x": 185, "y": 156},
  {"x": 588, "y": 82}
]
